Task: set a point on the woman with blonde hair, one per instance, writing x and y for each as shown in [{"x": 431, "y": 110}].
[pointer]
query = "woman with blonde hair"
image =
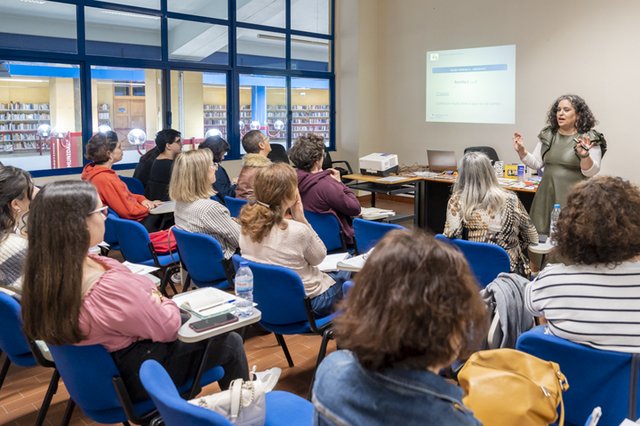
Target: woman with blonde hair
[
  {"x": 481, "y": 210},
  {"x": 193, "y": 174},
  {"x": 268, "y": 236}
]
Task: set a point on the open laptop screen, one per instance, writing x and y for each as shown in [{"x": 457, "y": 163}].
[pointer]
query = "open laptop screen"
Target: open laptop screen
[{"x": 441, "y": 161}]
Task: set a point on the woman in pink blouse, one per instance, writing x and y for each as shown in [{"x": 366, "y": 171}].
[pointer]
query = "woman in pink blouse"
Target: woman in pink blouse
[{"x": 72, "y": 297}]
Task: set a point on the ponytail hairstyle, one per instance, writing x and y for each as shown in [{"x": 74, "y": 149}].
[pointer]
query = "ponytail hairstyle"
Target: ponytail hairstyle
[
  {"x": 58, "y": 244},
  {"x": 16, "y": 185},
  {"x": 274, "y": 189}
]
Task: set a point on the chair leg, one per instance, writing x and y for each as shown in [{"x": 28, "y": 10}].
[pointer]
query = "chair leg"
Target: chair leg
[
  {"x": 53, "y": 388},
  {"x": 326, "y": 336},
  {"x": 68, "y": 412},
  {"x": 283, "y": 345},
  {"x": 5, "y": 369},
  {"x": 187, "y": 283}
]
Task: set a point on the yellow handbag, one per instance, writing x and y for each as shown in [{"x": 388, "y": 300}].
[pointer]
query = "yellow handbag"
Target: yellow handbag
[{"x": 509, "y": 387}]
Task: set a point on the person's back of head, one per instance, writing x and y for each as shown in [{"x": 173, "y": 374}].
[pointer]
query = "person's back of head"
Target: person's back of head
[
  {"x": 477, "y": 185},
  {"x": 274, "y": 188},
  {"x": 600, "y": 223},
  {"x": 253, "y": 141},
  {"x": 59, "y": 238},
  {"x": 165, "y": 137},
  {"x": 307, "y": 152},
  {"x": 190, "y": 179},
  {"x": 217, "y": 145},
  {"x": 16, "y": 186},
  {"x": 415, "y": 304},
  {"x": 100, "y": 146}
]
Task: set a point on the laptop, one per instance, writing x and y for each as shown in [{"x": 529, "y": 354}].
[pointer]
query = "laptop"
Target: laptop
[{"x": 441, "y": 161}]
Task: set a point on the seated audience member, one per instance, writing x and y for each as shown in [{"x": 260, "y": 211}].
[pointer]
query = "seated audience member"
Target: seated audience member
[
  {"x": 103, "y": 150},
  {"x": 591, "y": 297},
  {"x": 481, "y": 210},
  {"x": 413, "y": 310},
  {"x": 257, "y": 146},
  {"x": 16, "y": 193},
  {"x": 169, "y": 144},
  {"x": 193, "y": 174},
  {"x": 143, "y": 168},
  {"x": 219, "y": 148},
  {"x": 100, "y": 301},
  {"x": 322, "y": 191},
  {"x": 268, "y": 237}
]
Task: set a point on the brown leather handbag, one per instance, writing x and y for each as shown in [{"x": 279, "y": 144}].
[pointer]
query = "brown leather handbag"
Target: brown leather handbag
[{"x": 509, "y": 387}]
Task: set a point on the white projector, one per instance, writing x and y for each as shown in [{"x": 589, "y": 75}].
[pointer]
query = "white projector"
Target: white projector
[{"x": 379, "y": 164}]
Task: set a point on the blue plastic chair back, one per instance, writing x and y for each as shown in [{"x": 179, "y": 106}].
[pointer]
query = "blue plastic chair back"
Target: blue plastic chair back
[
  {"x": 174, "y": 410},
  {"x": 202, "y": 256},
  {"x": 110, "y": 235},
  {"x": 279, "y": 293},
  {"x": 12, "y": 339},
  {"x": 134, "y": 185},
  {"x": 486, "y": 260},
  {"x": 133, "y": 239},
  {"x": 596, "y": 377},
  {"x": 234, "y": 205},
  {"x": 328, "y": 229},
  {"x": 346, "y": 287},
  {"x": 368, "y": 233}
]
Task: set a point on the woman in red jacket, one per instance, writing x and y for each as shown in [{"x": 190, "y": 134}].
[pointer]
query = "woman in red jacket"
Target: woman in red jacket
[{"x": 104, "y": 150}]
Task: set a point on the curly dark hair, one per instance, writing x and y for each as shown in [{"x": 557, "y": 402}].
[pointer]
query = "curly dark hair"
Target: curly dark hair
[
  {"x": 415, "y": 304},
  {"x": 600, "y": 223},
  {"x": 100, "y": 145},
  {"x": 307, "y": 150},
  {"x": 585, "y": 121}
]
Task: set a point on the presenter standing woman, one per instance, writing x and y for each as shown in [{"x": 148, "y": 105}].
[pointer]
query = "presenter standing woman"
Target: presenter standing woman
[{"x": 569, "y": 149}]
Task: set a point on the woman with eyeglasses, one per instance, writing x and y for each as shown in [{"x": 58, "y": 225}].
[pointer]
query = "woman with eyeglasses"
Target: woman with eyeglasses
[
  {"x": 16, "y": 192},
  {"x": 191, "y": 179},
  {"x": 219, "y": 148},
  {"x": 72, "y": 297}
]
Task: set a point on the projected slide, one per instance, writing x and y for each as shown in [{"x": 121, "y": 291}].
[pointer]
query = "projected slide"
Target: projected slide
[{"x": 472, "y": 85}]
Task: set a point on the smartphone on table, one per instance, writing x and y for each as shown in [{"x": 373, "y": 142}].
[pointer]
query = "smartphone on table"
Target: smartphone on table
[{"x": 213, "y": 322}]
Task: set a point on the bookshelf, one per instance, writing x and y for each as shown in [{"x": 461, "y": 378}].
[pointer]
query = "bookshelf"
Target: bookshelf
[
  {"x": 275, "y": 113},
  {"x": 215, "y": 117},
  {"x": 19, "y": 124},
  {"x": 104, "y": 115},
  {"x": 310, "y": 119}
]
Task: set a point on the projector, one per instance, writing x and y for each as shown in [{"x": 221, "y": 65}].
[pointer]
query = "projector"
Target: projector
[{"x": 379, "y": 164}]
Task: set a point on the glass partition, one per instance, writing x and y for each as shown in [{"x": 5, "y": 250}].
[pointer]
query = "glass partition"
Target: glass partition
[{"x": 310, "y": 108}]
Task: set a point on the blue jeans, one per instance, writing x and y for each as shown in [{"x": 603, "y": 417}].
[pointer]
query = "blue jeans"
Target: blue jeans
[{"x": 324, "y": 303}]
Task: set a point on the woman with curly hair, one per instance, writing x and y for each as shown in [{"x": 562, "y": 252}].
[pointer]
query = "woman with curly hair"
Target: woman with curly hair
[
  {"x": 414, "y": 309},
  {"x": 569, "y": 149},
  {"x": 268, "y": 236},
  {"x": 592, "y": 296}
]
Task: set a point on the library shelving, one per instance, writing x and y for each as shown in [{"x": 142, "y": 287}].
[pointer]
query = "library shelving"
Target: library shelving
[
  {"x": 310, "y": 119},
  {"x": 19, "y": 125},
  {"x": 215, "y": 117},
  {"x": 104, "y": 115},
  {"x": 275, "y": 113}
]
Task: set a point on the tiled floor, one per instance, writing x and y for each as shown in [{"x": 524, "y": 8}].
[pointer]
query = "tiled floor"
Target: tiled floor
[{"x": 24, "y": 388}]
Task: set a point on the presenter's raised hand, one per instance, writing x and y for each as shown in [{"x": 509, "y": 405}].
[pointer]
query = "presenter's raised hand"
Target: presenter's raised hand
[{"x": 518, "y": 145}]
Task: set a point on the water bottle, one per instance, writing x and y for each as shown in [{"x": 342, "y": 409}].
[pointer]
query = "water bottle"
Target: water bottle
[
  {"x": 244, "y": 291},
  {"x": 555, "y": 214}
]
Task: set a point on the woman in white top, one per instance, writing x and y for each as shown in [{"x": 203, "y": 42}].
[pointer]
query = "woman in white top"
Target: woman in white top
[
  {"x": 16, "y": 193},
  {"x": 267, "y": 236},
  {"x": 569, "y": 149},
  {"x": 592, "y": 296},
  {"x": 193, "y": 174}
]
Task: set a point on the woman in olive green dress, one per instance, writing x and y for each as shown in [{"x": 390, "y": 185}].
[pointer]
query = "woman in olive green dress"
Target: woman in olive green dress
[{"x": 569, "y": 149}]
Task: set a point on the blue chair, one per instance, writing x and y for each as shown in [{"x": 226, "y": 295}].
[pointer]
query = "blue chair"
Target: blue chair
[
  {"x": 368, "y": 233},
  {"x": 283, "y": 408},
  {"x": 95, "y": 385},
  {"x": 486, "y": 260},
  {"x": 19, "y": 351},
  {"x": 136, "y": 247},
  {"x": 202, "y": 257},
  {"x": 110, "y": 236},
  {"x": 134, "y": 185},
  {"x": 328, "y": 229},
  {"x": 285, "y": 308},
  {"x": 596, "y": 378},
  {"x": 234, "y": 205},
  {"x": 346, "y": 287}
]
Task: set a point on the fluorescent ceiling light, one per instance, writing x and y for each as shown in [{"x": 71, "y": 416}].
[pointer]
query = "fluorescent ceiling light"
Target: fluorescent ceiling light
[
  {"x": 34, "y": 1},
  {"x": 294, "y": 40},
  {"x": 24, "y": 80},
  {"x": 132, "y": 15}
]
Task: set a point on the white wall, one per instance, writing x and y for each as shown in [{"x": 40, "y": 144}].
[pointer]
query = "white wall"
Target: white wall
[{"x": 587, "y": 47}]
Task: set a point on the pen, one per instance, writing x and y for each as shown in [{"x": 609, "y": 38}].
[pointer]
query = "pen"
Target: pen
[{"x": 215, "y": 305}]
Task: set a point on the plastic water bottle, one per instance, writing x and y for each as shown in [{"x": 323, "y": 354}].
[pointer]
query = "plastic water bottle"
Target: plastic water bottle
[
  {"x": 555, "y": 214},
  {"x": 244, "y": 291}
]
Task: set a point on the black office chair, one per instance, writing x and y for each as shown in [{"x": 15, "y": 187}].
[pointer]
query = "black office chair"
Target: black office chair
[
  {"x": 486, "y": 150},
  {"x": 328, "y": 163},
  {"x": 278, "y": 154}
]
